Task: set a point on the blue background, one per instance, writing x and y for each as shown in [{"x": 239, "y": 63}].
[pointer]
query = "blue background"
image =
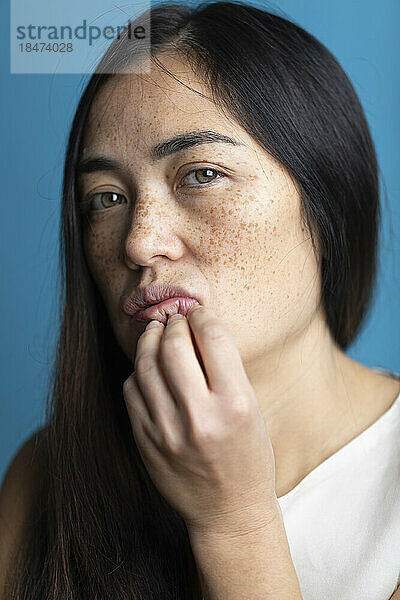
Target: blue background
[{"x": 36, "y": 113}]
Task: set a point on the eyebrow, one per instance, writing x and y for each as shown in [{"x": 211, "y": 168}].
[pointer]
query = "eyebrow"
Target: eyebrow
[{"x": 174, "y": 144}]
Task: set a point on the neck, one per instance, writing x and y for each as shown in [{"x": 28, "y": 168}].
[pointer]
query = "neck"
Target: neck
[{"x": 305, "y": 389}]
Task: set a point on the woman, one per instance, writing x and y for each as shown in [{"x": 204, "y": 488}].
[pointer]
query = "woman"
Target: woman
[{"x": 235, "y": 451}]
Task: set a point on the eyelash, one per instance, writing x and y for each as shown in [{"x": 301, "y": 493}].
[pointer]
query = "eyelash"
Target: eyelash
[{"x": 86, "y": 203}]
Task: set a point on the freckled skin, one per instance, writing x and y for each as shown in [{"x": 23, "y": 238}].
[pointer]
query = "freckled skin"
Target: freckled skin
[{"x": 238, "y": 241}]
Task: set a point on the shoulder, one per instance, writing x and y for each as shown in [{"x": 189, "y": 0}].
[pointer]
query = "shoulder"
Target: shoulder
[
  {"x": 375, "y": 393},
  {"x": 17, "y": 492},
  {"x": 396, "y": 595}
]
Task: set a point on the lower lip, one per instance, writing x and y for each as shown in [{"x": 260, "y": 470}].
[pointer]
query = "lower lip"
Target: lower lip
[{"x": 166, "y": 308}]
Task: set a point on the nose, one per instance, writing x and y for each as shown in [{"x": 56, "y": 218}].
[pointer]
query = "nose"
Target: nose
[{"x": 153, "y": 231}]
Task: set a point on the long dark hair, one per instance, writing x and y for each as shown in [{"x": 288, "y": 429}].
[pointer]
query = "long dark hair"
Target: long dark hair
[{"x": 99, "y": 528}]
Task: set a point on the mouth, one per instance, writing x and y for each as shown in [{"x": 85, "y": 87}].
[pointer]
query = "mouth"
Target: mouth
[{"x": 166, "y": 308}]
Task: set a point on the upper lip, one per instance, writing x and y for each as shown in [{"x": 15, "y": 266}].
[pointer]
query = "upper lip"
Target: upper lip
[{"x": 153, "y": 294}]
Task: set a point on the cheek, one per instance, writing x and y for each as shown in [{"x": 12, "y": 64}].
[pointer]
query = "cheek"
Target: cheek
[
  {"x": 241, "y": 235},
  {"x": 262, "y": 254},
  {"x": 101, "y": 244},
  {"x": 290, "y": 273}
]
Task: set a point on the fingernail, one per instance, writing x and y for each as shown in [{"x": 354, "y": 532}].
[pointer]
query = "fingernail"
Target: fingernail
[
  {"x": 153, "y": 324},
  {"x": 192, "y": 308},
  {"x": 175, "y": 317}
]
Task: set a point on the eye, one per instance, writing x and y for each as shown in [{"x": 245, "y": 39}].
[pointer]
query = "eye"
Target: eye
[
  {"x": 101, "y": 201},
  {"x": 201, "y": 176}
]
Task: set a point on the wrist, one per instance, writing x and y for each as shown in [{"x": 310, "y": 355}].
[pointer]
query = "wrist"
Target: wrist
[
  {"x": 249, "y": 522},
  {"x": 254, "y": 557}
]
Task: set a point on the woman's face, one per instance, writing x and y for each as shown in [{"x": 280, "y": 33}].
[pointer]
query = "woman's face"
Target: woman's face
[{"x": 233, "y": 235}]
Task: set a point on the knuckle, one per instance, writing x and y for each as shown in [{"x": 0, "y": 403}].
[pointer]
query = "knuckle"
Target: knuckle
[
  {"x": 170, "y": 444},
  {"x": 244, "y": 405},
  {"x": 145, "y": 364},
  {"x": 173, "y": 344},
  {"x": 241, "y": 410},
  {"x": 213, "y": 331},
  {"x": 126, "y": 386},
  {"x": 204, "y": 435}
]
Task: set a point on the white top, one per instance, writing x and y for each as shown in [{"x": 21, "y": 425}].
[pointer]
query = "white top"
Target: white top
[{"x": 342, "y": 520}]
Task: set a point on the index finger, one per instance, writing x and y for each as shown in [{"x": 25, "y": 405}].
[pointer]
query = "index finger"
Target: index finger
[{"x": 219, "y": 353}]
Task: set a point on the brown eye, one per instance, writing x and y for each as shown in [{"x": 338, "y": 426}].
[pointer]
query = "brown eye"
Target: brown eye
[
  {"x": 103, "y": 200},
  {"x": 202, "y": 176}
]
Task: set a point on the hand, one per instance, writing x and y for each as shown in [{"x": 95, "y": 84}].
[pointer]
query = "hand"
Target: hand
[{"x": 200, "y": 433}]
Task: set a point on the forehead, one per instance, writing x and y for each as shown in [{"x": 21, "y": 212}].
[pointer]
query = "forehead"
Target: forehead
[{"x": 133, "y": 111}]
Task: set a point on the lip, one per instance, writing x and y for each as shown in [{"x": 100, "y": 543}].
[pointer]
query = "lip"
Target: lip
[
  {"x": 146, "y": 301},
  {"x": 163, "y": 310}
]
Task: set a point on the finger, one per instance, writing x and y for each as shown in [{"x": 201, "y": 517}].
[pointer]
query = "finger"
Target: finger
[
  {"x": 142, "y": 424},
  {"x": 145, "y": 433},
  {"x": 156, "y": 394},
  {"x": 218, "y": 351},
  {"x": 180, "y": 364}
]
